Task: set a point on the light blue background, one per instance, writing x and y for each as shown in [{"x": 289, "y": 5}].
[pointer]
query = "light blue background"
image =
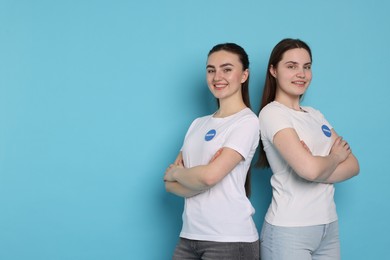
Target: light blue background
[{"x": 96, "y": 97}]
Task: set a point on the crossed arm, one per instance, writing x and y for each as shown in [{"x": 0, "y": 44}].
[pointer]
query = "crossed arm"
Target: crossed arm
[
  {"x": 187, "y": 182},
  {"x": 338, "y": 166}
]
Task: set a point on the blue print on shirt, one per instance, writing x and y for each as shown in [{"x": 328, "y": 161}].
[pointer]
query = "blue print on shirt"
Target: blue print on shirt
[
  {"x": 210, "y": 135},
  {"x": 326, "y": 130}
]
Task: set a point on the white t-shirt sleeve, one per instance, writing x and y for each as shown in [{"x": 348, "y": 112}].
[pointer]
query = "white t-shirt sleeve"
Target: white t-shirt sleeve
[
  {"x": 194, "y": 122},
  {"x": 244, "y": 136},
  {"x": 272, "y": 119}
]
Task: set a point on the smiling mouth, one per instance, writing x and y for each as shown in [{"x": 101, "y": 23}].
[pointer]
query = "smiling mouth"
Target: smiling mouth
[
  {"x": 219, "y": 86},
  {"x": 299, "y": 83}
]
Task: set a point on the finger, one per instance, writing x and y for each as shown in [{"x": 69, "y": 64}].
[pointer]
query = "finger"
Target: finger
[
  {"x": 168, "y": 169},
  {"x": 180, "y": 163},
  {"x": 340, "y": 141}
]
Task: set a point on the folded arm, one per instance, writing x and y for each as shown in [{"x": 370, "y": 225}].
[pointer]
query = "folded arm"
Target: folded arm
[
  {"x": 177, "y": 188},
  {"x": 346, "y": 169},
  {"x": 339, "y": 165},
  {"x": 202, "y": 177},
  {"x": 180, "y": 190}
]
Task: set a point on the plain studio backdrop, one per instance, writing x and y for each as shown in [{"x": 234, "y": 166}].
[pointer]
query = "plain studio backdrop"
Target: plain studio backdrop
[{"x": 96, "y": 97}]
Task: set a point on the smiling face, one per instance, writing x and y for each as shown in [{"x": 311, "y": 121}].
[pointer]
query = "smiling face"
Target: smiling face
[
  {"x": 225, "y": 75},
  {"x": 293, "y": 73}
]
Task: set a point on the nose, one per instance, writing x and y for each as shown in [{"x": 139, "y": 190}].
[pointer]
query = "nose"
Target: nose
[
  {"x": 217, "y": 76},
  {"x": 301, "y": 74}
]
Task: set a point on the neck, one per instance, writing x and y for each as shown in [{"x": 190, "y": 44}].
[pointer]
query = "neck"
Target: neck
[
  {"x": 291, "y": 102},
  {"x": 229, "y": 109}
]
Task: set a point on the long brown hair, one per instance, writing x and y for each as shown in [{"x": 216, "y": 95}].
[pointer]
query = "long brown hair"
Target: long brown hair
[
  {"x": 270, "y": 84},
  {"x": 243, "y": 57}
]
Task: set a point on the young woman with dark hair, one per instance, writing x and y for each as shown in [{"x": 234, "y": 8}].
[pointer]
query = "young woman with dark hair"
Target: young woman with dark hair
[
  {"x": 306, "y": 157},
  {"x": 211, "y": 168}
]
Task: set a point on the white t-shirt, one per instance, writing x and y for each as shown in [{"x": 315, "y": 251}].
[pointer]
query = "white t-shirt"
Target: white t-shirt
[
  {"x": 296, "y": 201},
  {"x": 223, "y": 213}
]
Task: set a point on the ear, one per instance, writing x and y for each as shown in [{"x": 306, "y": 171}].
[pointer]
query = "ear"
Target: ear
[
  {"x": 245, "y": 76},
  {"x": 272, "y": 71}
]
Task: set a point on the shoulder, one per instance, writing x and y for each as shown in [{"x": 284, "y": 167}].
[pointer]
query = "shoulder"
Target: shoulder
[
  {"x": 247, "y": 115},
  {"x": 198, "y": 122},
  {"x": 244, "y": 122},
  {"x": 273, "y": 107},
  {"x": 201, "y": 119},
  {"x": 273, "y": 118},
  {"x": 273, "y": 110}
]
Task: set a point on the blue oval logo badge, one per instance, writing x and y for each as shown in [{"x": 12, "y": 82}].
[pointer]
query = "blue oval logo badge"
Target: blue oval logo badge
[
  {"x": 326, "y": 130},
  {"x": 210, "y": 135}
]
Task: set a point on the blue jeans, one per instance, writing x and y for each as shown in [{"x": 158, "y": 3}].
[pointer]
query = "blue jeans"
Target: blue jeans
[
  {"x": 319, "y": 242},
  {"x": 188, "y": 249}
]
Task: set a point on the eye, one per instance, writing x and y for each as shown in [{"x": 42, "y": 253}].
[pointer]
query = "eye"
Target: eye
[
  {"x": 227, "y": 70},
  {"x": 291, "y": 66},
  {"x": 308, "y": 67},
  {"x": 209, "y": 71}
]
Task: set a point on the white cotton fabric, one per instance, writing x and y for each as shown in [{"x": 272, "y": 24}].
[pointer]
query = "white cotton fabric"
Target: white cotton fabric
[
  {"x": 297, "y": 202},
  {"x": 223, "y": 213}
]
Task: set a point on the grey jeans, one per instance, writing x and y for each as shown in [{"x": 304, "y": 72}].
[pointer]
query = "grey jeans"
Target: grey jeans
[{"x": 188, "y": 249}]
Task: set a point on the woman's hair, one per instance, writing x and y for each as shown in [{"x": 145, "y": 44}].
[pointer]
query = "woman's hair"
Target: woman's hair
[
  {"x": 243, "y": 57},
  {"x": 270, "y": 85}
]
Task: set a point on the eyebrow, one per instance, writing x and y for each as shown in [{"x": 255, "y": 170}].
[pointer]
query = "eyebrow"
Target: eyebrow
[
  {"x": 294, "y": 62},
  {"x": 221, "y": 66}
]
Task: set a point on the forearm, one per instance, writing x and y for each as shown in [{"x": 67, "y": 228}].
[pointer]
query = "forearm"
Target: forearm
[
  {"x": 179, "y": 190},
  {"x": 195, "y": 178},
  {"x": 304, "y": 163},
  {"x": 344, "y": 171},
  {"x": 204, "y": 177},
  {"x": 316, "y": 168}
]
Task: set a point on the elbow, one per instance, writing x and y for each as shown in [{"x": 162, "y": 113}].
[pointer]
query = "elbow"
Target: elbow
[
  {"x": 354, "y": 166},
  {"x": 357, "y": 170},
  {"x": 210, "y": 176},
  {"x": 207, "y": 178},
  {"x": 311, "y": 175},
  {"x": 209, "y": 181}
]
